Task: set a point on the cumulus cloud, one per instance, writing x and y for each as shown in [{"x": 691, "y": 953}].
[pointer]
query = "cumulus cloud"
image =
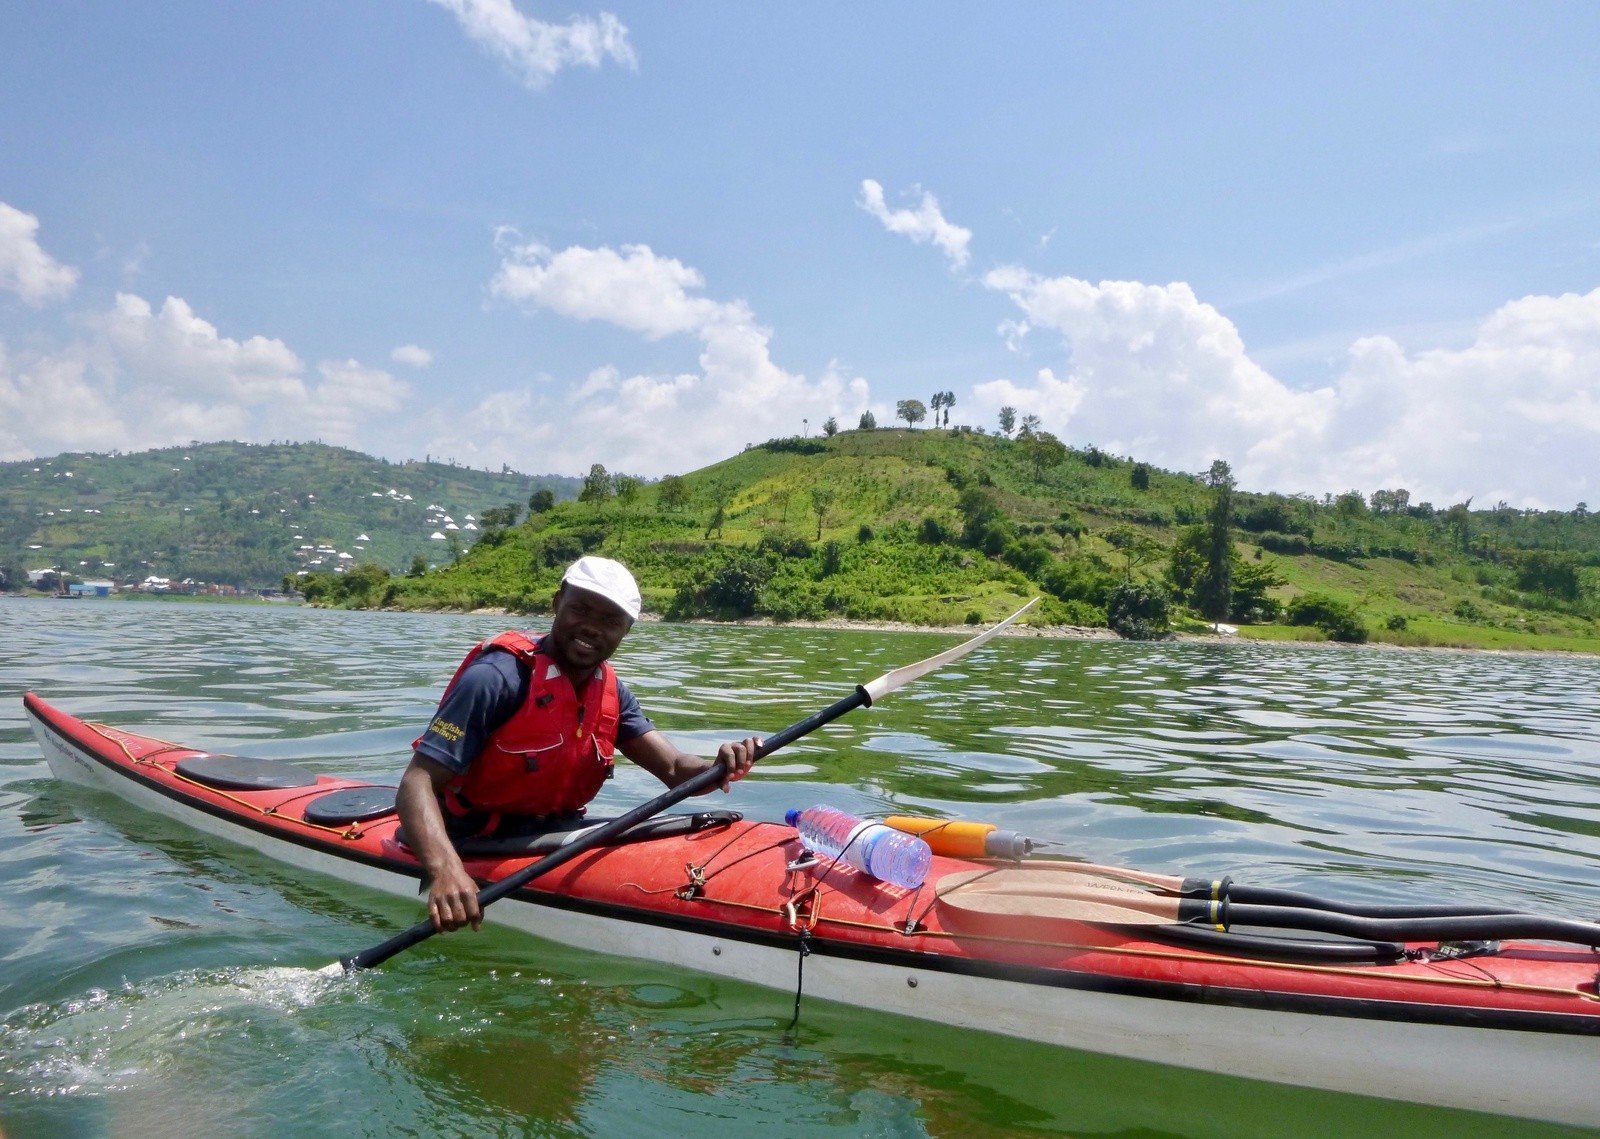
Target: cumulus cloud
[
  {"x": 25, "y": 268},
  {"x": 349, "y": 395},
  {"x": 412, "y": 356},
  {"x": 1154, "y": 372},
  {"x": 925, "y": 225},
  {"x": 146, "y": 377},
  {"x": 52, "y": 404},
  {"x": 535, "y": 51},
  {"x": 655, "y": 423},
  {"x": 631, "y": 288}
]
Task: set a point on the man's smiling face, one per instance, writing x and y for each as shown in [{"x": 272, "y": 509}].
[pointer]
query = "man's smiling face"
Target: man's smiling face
[{"x": 586, "y": 628}]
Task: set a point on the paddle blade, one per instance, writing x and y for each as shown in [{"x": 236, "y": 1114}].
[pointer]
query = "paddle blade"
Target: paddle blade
[
  {"x": 1013, "y": 899},
  {"x": 1164, "y": 882},
  {"x": 900, "y": 677}
]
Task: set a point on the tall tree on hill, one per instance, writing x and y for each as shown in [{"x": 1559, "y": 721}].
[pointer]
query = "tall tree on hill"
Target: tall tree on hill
[
  {"x": 596, "y": 485},
  {"x": 910, "y": 410},
  {"x": 628, "y": 489},
  {"x": 830, "y": 426},
  {"x": 1044, "y": 450},
  {"x": 821, "y": 501},
  {"x": 1458, "y": 519},
  {"x": 1550, "y": 572},
  {"x": 869, "y": 422},
  {"x": 936, "y": 401},
  {"x": 1008, "y": 421},
  {"x": 1391, "y": 501},
  {"x": 1350, "y": 504},
  {"x": 540, "y": 501},
  {"x": 499, "y": 517},
  {"x": 1213, "y": 589},
  {"x": 1137, "y": 548},
  {"x": 1030, "y": 426},
  {"x": 721, "y": 495},
  {"x": 673, "y": 493}
]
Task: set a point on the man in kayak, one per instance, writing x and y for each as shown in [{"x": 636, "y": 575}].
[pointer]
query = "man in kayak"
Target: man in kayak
[{"x": 525, "y": 735}]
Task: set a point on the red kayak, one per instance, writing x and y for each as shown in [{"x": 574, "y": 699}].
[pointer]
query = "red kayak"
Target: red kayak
[{"x": 1493, "y": 1012}]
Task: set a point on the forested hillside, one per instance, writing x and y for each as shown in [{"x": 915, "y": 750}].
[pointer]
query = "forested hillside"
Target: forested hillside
[
  {"x": 951, "y": 526},
  {"x": 241, "y": 514}
]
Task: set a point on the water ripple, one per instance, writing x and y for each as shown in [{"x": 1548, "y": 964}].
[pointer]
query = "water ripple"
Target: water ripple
[{"x": 1383, "y": 775}]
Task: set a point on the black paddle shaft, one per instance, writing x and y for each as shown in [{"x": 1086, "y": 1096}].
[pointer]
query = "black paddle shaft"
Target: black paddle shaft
[
  {"x": 1268, "y": 896},
  {"x": 604, "y": 833},
  {"x": 1478, "y": 927}
]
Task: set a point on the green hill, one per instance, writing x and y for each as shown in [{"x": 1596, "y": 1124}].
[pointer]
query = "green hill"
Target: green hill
[
  {"x": 238, "y": 513},
  {"x": 945, "y": 527}
]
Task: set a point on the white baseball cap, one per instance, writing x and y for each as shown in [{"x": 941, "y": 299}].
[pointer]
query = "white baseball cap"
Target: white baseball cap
[{"x": 607, "y": 578}]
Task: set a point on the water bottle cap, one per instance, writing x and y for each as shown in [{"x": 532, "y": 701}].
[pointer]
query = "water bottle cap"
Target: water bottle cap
[{"x": 791, "y": 816}]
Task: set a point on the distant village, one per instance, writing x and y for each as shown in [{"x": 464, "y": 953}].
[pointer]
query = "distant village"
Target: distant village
[
  {"x": 62, "y": 584},
  {"x": 309, "y": 557}
]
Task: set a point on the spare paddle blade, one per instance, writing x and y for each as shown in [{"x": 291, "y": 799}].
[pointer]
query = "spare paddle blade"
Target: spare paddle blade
[
  {"x": 1166, "y": 883},
  {"x": 900, "y": 677},
  {"x": 1017, "y": 897}
]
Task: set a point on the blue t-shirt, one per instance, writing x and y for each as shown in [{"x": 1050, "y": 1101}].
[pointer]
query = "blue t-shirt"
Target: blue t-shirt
[{"x": 491, "y": 689}]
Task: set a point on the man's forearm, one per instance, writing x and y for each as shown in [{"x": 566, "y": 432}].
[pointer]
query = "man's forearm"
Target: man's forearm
[{"x": 417, "y": 804}]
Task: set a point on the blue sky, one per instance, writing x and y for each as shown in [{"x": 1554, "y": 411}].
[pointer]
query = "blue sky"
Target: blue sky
[{"x": 1341, "y": 248}]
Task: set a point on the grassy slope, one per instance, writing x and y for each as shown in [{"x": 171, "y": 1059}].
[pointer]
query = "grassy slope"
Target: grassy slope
[
  {"x": 230, "y": 511},
  {"x": 891, "y": 480},
  {"x": 1427, "y": 597}
]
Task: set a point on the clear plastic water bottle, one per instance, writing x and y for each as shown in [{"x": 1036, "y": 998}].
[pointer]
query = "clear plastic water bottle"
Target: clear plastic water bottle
[{"x": 891, "y": 855}]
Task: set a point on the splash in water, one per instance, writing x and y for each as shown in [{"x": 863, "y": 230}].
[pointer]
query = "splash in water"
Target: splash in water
[{"x": 107, "y": 1041}]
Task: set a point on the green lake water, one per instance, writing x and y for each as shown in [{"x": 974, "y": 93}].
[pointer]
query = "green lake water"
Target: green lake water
[{"x": 152, "y": 982}]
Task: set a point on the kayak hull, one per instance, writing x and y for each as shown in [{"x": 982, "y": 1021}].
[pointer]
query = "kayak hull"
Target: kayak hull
[{"x": 1526, "y": 1043}]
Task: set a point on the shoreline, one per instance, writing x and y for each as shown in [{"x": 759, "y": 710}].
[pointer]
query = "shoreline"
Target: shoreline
[
  {"x": 843, "y": 624},
  {"x": 1065, "y": 633}
]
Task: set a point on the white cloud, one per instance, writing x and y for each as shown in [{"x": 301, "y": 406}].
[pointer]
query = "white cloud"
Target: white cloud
[
  {"x": 350, "y": 394},
  {"x": 631, "y": 287},
  {"x": 535, "y": 51},
  {"x": 51, "y": 404},
  {"x": 25, "y": 268},
  {"x": 144, "y": 377},
  {"x": 412, "y": 356},
  {"x": 925, "y": 225},
  {"x": 1156, "y": 373},
  {"x": 175, "y": 352},
  {"x": 646, "y": 424},
  {"x": 1515, "y": 415}
]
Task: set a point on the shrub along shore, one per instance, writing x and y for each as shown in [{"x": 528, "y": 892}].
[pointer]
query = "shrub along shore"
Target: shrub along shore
[{"x": 957, "y": 528}]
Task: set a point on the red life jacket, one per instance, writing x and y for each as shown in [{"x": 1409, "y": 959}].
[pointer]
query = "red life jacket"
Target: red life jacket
[{"x": 552, "y": 756}]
